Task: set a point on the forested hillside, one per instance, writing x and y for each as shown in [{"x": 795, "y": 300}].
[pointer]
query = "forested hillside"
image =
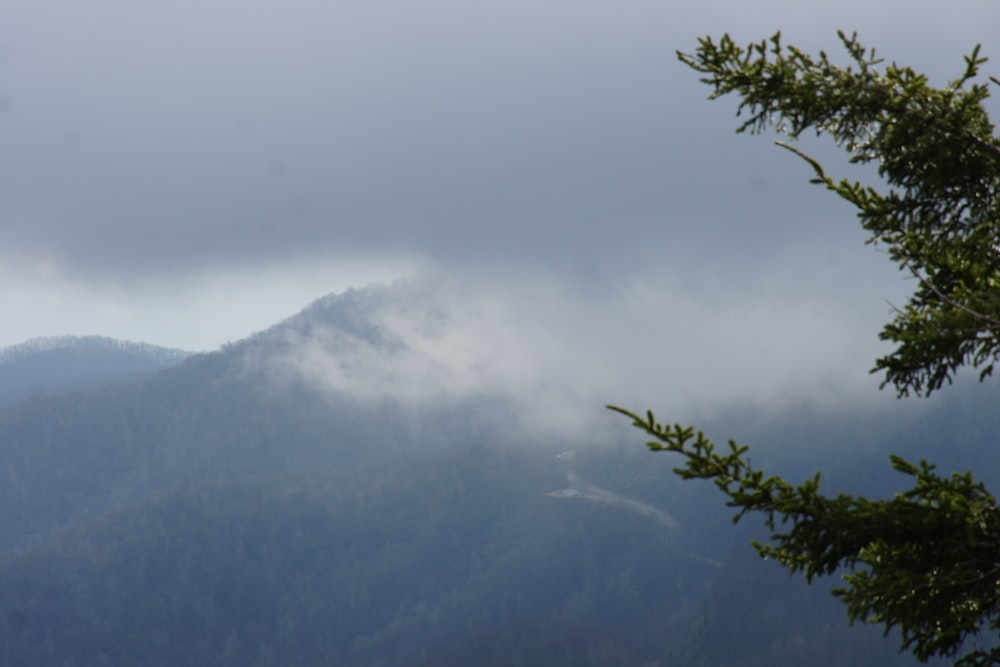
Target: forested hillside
[
  {"x": 226, "y": 512},
  {"x": 54, "y": 365}
]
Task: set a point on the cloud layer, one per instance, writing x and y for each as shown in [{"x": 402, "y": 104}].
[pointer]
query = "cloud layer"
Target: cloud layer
[
  {"x": 142, "y": 139},
  {"x": 187, "y": 172},
  {"x": 560, "y": 355}
]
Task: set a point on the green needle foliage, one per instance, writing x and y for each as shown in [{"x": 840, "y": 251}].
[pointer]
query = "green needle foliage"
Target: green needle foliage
[
  {"x": 926, "y": 561},
  {"x": 936, "y": 153}
]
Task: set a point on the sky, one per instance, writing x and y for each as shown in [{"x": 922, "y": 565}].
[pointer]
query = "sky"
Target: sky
[{"x": 185, "y": 173}]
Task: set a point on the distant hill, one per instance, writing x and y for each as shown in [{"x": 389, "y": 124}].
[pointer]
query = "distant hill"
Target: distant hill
[
  {"x": 52, "y": 365},
  {"x": 234, "y": 510}
]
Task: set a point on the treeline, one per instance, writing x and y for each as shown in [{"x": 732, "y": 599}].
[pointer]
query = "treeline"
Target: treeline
[{"x": 162, "y": 356}]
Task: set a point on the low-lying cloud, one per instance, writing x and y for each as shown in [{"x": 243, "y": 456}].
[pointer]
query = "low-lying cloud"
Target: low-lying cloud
[{"x": 560, "y": 354}]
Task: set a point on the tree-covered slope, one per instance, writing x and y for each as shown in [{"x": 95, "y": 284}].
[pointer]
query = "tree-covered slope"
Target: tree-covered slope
[
  {"x": 229, "y": 511},
  {"x": 56, "y": 365}
]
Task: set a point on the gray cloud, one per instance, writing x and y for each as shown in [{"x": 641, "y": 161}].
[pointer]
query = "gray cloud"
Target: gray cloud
[
  {"x": 559, "y": 353},
  {"x": 187, "y": 172},
  {"x": 152, "y": 139}
]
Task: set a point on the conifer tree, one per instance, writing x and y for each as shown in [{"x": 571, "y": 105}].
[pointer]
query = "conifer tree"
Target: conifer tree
[{"x": 926, "y": 561}]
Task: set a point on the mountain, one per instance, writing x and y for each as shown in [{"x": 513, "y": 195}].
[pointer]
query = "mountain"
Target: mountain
[
  {"x": 53, "y": 365},
  {"x": 290, "y": 500}
]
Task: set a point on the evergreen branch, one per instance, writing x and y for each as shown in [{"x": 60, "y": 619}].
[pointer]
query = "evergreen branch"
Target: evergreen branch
[{"x": 951, "y": 302}]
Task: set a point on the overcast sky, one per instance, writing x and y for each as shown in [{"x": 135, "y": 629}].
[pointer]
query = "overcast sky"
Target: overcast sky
[{"x": 187, "y": 172}]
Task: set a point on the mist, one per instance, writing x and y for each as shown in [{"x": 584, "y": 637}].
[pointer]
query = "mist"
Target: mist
[{"x": 559, "y": 353}]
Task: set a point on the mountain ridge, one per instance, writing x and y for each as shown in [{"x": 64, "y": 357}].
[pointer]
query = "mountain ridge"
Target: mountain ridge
[
  {"x": 42, "y": 344},
  {"x": 228, "y": 510},
  {"x": 54, "y": 365}
]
